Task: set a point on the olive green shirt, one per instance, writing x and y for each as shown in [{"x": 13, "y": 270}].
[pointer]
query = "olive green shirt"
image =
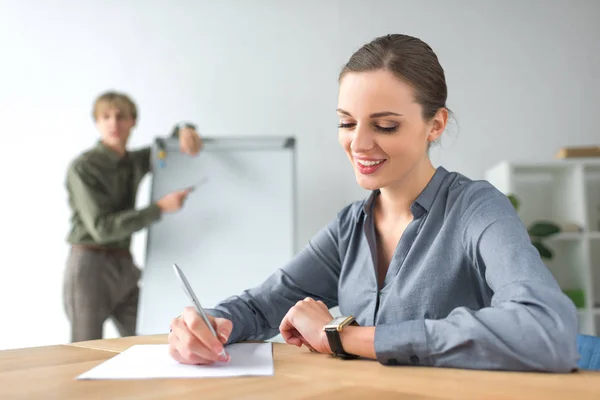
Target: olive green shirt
[{"x": 102, "y": 188}]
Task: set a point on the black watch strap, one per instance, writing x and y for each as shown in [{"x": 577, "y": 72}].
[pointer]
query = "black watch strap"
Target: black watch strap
[{"x": 335, "y": 343}]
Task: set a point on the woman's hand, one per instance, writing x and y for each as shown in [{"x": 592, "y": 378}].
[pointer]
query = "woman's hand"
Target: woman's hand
[
  {"x": 191, "y": 342},
  {"x": 303, "y": 324}
]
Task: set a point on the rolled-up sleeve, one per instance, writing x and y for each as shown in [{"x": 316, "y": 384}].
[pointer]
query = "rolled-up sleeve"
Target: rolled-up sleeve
[{"x": 530, "y": 324}]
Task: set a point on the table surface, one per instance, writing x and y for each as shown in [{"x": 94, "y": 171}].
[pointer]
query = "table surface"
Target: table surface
[{"x": 49, "y": 372}]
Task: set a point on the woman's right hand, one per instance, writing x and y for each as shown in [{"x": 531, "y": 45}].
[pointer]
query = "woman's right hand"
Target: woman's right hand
[{"x": 191, "y": 342}]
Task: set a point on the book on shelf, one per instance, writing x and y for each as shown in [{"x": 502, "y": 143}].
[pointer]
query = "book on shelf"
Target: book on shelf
[{"x": 579, "y": 152}]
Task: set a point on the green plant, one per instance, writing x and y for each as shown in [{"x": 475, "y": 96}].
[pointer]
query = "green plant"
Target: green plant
[{"x": 538, "y": 231}]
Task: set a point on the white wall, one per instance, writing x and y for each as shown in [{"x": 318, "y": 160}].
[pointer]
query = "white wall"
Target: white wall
[{"x": 523, "y": 81}]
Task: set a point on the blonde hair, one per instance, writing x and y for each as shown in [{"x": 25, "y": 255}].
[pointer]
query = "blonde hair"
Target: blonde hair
[{"x": 114, "y": 99}]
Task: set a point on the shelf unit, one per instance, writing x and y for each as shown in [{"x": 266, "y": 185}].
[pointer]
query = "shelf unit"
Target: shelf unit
[{"x": 564, "y": 192}]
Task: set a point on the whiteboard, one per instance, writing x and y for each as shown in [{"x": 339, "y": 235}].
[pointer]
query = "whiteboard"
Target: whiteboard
[{"x": 234, "y": 230}]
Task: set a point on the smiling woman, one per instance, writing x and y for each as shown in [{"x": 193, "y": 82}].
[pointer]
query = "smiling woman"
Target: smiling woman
[
  {"x": 432, "y": 269},
  {"x": 391, "y": 109}
]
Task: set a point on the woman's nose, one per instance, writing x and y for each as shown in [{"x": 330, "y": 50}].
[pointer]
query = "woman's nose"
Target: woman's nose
[{"x": 362, "y": 140}]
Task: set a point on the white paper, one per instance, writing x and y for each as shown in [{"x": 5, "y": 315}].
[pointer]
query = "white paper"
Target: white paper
[{"x": 153, "y": 361}]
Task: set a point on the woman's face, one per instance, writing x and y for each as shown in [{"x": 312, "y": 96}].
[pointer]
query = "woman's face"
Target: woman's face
[{"x": 382, "y": 129}]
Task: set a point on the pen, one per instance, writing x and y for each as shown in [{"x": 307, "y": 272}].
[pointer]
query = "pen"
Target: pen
[{"x": 190, "y": 294}]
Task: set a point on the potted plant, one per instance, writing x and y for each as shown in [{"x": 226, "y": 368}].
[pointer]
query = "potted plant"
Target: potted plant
[{"x": 538, "y": 231}]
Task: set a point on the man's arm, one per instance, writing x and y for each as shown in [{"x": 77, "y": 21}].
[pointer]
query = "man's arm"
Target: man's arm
[
  {"x": 530, "y": 325},
  {"x": 313, "y": 272},
  {"x": 94, "y": 206}
]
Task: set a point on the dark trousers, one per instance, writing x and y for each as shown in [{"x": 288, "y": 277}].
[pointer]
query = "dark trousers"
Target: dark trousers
[{"x": 100, "y": 284}]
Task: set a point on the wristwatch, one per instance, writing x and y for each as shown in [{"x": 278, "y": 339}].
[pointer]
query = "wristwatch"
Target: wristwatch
[{"x": 333, "y": 329}]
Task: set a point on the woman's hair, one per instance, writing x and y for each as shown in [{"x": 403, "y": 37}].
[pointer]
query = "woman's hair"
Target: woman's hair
[{"x": 409, "y": 59}]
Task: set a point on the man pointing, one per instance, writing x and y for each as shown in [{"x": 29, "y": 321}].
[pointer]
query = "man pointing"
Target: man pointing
[{"x": 101, "y": 279}]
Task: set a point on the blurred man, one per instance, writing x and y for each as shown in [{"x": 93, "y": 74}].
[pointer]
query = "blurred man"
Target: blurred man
[{"x": 101, "y": 279}]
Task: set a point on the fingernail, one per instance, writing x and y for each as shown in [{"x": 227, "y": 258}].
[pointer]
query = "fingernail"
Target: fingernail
[
  {"x": 223, "y": 337},
  {"x": 224, "y": 356}
]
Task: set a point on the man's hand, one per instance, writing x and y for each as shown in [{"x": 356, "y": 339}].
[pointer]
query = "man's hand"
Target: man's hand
[
  {"x": 173, "y": 201},
  {"x": 190, "y": 142},
  {"x": 303, "y": 324}
]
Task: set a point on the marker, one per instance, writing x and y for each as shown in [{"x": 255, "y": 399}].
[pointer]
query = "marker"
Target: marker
[
  {"x": 199, "y": 183},
  {"x": 190, "y": 294}
]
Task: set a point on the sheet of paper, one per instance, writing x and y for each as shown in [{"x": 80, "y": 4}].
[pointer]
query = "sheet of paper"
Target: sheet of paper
[{"x": 154, "y": 361}]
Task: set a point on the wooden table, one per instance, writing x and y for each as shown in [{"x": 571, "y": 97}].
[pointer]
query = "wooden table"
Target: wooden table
[{"x": 49, "y": 373}]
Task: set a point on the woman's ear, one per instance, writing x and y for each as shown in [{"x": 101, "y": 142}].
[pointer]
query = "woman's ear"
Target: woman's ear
[{"x": 438, "y": 124}]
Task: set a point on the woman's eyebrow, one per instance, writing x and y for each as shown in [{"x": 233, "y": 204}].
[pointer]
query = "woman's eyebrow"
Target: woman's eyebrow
[
  {"x": 374, "y": 115},
  {"x": 385, "y": 114}
]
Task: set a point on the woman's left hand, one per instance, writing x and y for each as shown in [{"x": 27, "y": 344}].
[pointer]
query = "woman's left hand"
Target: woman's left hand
[{"x": 303, "y": 324}]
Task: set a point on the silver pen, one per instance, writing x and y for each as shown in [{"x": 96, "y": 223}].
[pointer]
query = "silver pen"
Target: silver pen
[{"x": 190, "y": 294}]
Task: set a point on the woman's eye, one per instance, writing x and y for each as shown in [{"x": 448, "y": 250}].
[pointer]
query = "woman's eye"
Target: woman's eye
[
  {"x": 387, "y": 129},
  {"x": 379, "y": 128}
]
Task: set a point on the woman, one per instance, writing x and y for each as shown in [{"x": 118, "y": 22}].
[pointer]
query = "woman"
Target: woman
[{"x": 436, "y": 269}]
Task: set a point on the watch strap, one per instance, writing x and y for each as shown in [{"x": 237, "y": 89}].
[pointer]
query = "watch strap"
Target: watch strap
[{"x": 335, "y": 343}]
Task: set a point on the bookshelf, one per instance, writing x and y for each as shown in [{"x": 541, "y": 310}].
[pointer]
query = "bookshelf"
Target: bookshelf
[{"x": 566, "y": 192}]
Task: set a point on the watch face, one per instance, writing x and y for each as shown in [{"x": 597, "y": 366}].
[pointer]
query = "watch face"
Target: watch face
[{"x": 339, "y": 322}]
